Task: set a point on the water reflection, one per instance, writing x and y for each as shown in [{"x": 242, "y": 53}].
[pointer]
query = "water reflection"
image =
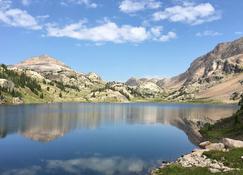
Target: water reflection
[
  {"x": 91, "y": 165},
  {"x": 45, "y": 123},
  {"x": 103, "y": 139}
]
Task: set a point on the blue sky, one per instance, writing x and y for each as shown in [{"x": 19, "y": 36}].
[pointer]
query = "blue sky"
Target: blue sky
[{"x": 118, "y": 38}]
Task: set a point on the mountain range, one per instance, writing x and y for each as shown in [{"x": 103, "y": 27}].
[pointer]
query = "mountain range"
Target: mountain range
[{"x": 214, "y": 77}]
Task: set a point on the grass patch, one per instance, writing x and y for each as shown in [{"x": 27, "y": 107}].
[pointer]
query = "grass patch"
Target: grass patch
[
  {"x": 231, "y": 159},
  {"x": 179, "y": 170},
  {"x": 176, "y": 169},
  {"x": 230, "y": 127}
]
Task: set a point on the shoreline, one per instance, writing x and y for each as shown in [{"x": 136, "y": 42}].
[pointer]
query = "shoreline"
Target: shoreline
[
  {"x": 129, "y": 102},
  {"x": 220, "y": 152},
  {"x": 203, "y": 160}
]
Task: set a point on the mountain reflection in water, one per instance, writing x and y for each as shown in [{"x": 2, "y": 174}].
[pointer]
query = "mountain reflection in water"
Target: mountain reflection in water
[
  {"x": 85, "y": 138},
  {"x": 45, "y": 123}
]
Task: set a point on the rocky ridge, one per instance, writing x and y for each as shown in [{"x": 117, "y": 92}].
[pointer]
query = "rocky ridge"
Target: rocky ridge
[{"x": 217, "y": 75}]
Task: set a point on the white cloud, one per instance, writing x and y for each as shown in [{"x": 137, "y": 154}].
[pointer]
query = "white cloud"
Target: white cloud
[
  {"x": 188, "y": 13},
  {"x": 167, "y": 37},
  {"x": 238, "y": 33},
  {"x": 17, "y": 17},
  {"x": 108, "y": 32},
  {"x": 208, "y": 33},
  {"x": 87, "y": 3},
  {"x": 131, "y": 6},
  {"x": 26, "y": 2}
]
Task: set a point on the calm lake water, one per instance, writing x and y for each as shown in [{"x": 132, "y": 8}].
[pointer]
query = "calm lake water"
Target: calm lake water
[{"x": 90, "y": 139}]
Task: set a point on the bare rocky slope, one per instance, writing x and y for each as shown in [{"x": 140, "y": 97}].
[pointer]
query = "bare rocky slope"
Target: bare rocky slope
[{"x": 215, "y": 76}]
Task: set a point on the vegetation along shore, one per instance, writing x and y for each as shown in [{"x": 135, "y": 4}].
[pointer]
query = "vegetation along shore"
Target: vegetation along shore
[{"x": 221, "y": 152}]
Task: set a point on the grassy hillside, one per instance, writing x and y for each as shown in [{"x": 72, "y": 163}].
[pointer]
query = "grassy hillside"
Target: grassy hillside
[
  {"x": 229, "y": 127},
  {"x": 31, "y": 90}
]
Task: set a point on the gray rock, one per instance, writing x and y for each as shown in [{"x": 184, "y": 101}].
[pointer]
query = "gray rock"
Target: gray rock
[
  {"x": 215, "y": 146},
  {"x": 230, "y": 143},
  {"x": 204, "y": 144},
  {"x": 7, "y": 84},
  {"x": 212, "y": 170},
  {"x": 17, "y": 100}
]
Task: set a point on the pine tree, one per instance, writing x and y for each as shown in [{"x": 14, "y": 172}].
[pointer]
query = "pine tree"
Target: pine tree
[
  {"x": 41, "y": 96},
  {"x": 241, "y": 103}
]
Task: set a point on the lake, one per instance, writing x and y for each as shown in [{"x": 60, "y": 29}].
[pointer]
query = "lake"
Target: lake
[{"x": 98, "y": 139}]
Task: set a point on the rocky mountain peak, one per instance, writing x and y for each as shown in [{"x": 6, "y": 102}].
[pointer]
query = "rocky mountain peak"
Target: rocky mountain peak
[
  {"x": 225, "y": 58},
  {"x": 42, "y": 63},
  {"x": 45, "y": 59}
]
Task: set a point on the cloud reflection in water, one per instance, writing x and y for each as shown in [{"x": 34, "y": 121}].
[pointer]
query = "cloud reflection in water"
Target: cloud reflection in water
[{"x": 91, "y": 165}]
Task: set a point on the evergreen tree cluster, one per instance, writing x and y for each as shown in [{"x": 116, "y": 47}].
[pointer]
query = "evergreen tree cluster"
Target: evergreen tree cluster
[
  {"x": 21, "y": 80},
  {"x": 13, "y": 92},
  {"x": 62, "y": 87}
]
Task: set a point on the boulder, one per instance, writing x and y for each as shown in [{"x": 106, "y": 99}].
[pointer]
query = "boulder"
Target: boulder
[
  {"x": 204, "y": 144},
  {"x": 17, "y": 100},
  {"x": 230, "y": 143},
  {"x": 93, "y": 77},
  {"x": 215, "y": 147},
  {"x": 6, "y": 84}
]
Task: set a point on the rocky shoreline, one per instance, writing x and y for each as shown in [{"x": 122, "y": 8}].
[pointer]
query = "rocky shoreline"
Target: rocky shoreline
[{"x": 197, "y": 158}]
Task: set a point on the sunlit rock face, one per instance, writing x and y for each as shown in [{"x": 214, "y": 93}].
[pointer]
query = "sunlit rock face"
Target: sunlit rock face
[
  {"x": 145, "y": 87},
  {"x": 45, "y": 123},
  {"x": 149, "y": 89},
  {"x": 43, "y": 63}
]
